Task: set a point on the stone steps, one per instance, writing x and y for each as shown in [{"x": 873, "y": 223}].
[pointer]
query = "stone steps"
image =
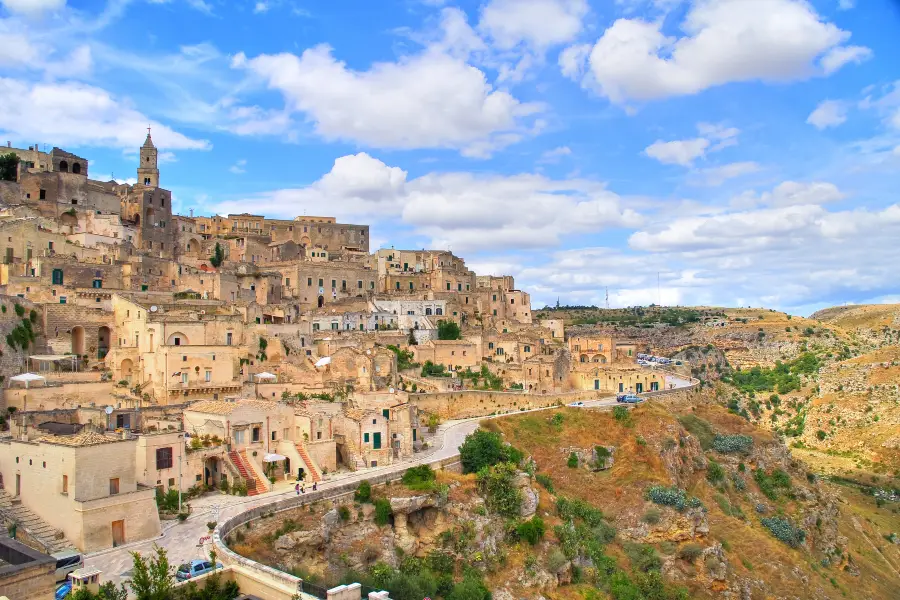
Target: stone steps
[{"x": 50, "y": 538}]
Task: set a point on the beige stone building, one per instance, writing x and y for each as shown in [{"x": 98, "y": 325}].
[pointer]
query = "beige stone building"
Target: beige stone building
[{"x": 83, "y": 485}]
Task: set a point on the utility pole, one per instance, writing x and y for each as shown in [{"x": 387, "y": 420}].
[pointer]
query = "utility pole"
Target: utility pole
[
  {"x": 607, "y": 298},
  {"x": 180, "y": 459}
]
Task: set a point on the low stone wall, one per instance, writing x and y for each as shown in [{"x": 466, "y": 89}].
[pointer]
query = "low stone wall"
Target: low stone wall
[
  {"x": 465, "y": 404},
  {"x": 229, "y": 557}
]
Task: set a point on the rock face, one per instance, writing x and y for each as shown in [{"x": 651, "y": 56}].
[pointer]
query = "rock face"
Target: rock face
[{"x": 530, "y": 496}]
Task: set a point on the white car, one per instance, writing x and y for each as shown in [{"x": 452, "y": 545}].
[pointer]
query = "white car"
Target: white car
[{"x": 579, "y": 403}]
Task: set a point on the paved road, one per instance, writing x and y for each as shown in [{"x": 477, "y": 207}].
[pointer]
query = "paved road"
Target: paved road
[{"x": 181, "y": 540}]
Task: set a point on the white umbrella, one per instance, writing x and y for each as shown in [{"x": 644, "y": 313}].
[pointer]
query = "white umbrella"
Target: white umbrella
[
  {"x": 325, "y": 360},
  {"x": 27, "y": 378},
  {"x": 273, "y": 458},
  {"x": 264, "y": 375}
]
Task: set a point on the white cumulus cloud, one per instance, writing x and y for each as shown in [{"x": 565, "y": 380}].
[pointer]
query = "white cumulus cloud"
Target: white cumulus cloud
[
  {"x": 430, "y": 100},
  {"x": 724, "y": 41}
]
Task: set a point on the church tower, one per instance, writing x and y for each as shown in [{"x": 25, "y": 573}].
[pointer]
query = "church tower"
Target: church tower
[{"x": 148, "y": 169}]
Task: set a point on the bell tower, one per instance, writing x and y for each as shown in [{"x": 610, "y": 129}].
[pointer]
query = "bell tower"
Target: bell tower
[{"x": 148, "y": 169}]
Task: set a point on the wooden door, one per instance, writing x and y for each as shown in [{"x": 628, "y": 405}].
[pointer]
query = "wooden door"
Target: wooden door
[{"x": 118, "y": 533}]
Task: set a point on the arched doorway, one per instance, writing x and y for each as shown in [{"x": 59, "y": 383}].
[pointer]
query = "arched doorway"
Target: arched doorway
[
  {"x": 321, "y": 301},
  {"x": 76, "y": 168},
  {"x": 103, "y": 336},
  {"x": 193, "y": 247},
  {"x": 63, "y": 166},
  {"x": 78, "y": 340},
  {"x": 148, "y": 217},
  {"x": 125, "y": 370},
  {"x": 211, "y": 472}
]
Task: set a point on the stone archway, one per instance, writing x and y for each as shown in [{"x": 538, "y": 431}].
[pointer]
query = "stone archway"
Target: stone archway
[
  {"x": 63, "y": 166},
  {"x": 78, "y": 340},
  {"x": 321, "y": 301},
  {"x": 193, "y": 247},
  {"x": 126, "y": 369},
  {"x": 76, "y": 168},
  {"x": 103, "y": 337}
]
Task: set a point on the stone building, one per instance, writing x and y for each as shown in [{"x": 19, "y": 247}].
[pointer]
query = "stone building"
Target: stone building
[{"x": 83, "y": 485}]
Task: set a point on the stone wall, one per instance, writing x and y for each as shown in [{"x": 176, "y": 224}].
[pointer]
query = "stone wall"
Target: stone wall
[
  {"x": 26, "y": 574},
  {"x": 472, "y": 403}
]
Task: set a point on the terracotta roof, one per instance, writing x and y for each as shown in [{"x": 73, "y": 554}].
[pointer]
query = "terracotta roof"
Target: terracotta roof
[
  {"x": 356, "y": 414},
  {"x": 220, "y": 407},
  {"x": 86, "y": 438}
]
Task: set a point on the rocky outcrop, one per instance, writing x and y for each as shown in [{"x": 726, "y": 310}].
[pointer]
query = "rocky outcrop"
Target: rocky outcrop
[{"x": 530, "y": 496}]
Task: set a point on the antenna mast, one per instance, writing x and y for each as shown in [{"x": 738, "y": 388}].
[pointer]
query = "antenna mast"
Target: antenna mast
[{"x": 607, "y": 298}]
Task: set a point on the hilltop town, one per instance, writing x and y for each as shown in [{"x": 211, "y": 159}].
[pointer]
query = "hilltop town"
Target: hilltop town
[{"x": 171, "y": 378}]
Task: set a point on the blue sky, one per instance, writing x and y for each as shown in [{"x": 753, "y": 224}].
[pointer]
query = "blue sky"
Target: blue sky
[{"x": 744, "y": 152}]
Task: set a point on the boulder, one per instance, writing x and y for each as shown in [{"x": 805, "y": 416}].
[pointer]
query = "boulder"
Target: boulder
[
  {"x": 529, "y": 495},
  {"x": 412, "y": 504}
]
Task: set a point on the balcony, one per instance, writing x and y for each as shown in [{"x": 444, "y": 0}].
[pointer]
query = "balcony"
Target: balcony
[{"x": 204, "y": 387}]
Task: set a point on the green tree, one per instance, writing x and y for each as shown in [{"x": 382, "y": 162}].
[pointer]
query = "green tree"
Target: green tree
[
  {"x": 9, "y": 166},
  {"x": 498, "y": 486},
  {"x": 448, "y": 330},
  {"x": 484, "y": 449},
  {"x": 152, "y": 578},
  {"x": 218, "y": 256}
]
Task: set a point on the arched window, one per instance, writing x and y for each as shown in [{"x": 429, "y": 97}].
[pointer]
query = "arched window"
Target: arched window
[
  {"x": 76, "y": 168},
  {"x": 63, "y": 166}
]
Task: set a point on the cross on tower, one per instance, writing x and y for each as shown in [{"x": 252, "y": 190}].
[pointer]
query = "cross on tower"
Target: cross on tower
[{"x": 148, "y": 130}]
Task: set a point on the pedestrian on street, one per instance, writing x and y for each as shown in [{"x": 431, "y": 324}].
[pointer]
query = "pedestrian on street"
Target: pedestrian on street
[
  {"x": 314, "y": 485},
  {"x": 297, "y": 489},
  {"x": 302, "y": 489}
]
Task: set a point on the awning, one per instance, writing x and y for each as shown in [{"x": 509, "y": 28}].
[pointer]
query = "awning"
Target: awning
[
  {"x": 273, "y": 458},
  {"x": 325, "y": 360},
  {"x": 52, "y": 357},
  {"x": 27, "y": 378},
  {"x": 264, "y": 375}
]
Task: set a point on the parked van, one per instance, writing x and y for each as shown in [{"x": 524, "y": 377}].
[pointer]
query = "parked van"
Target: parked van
[{"x": 66, "y": 562}]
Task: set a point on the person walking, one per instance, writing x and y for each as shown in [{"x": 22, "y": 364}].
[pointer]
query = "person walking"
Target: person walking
[
  {"x": 315, "y": 485},
  {"x": 297, "y": 489},
  {"x": 302, "y": 489}
]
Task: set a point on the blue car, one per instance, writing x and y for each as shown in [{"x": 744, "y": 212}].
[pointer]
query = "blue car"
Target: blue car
[
  {"x": 195, "y": 568},
  {"x": 63, "y": 590},
  {"x": 628, "y": 398}
]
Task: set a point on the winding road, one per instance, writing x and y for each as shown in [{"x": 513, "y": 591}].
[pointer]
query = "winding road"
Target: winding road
[{"x": 182, "y": 540}]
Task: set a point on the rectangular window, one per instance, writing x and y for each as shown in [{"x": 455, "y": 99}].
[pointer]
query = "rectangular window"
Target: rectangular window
[
  {"x": 163, "y": 458},
  {"x": 321, "y": 281},
  {"x": 65, "y": 488},
  {"x": 208, "y": 376},
  {"x": 239, "y": 436},
  {"x": 43, "y": 194},
  {"x": 359, "y": 284},
  {"x": 448, "y": 286},
  {"x": 458, "y": 287},
  {"x": 366, "y": 438},
  {"x": 257, "y": 433},
  {"x": 344, "y": 285},
  {"x": 184, "y": 378},
  {"x": 309, "y": 281},
  {"x": 287, "y": 282},
  {"x": 113, "y": 486},
  {"x": 228, "y": 338}
]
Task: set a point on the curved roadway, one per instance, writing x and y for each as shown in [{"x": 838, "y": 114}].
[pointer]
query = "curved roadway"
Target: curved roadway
[{"x": 182, "y": 541}]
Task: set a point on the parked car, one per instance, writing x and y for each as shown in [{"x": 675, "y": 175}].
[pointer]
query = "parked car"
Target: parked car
[
  {"x": 579, "y": 403},
  {"x": 64, "y": 590},
  {"x": 195, "y": 568},
  {"x": 630, "y": 399},
  {"x": 66, "y": 562}
]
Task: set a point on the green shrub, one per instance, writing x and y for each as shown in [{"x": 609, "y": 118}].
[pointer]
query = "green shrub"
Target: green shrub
[
  {"x": 714, "y": 472},
  {"x": 382, "y": 511},
  {"x": 621, "y": 414},
  {"x": 690, "y": 552},
  {"x": 545, "y": 481},
  {"x": 33, "y": 316},
  {"x": 671, "y": 496},
  {"x": 771, "y": 485},
  {"x": 821, "y": 435},
  {"x": 497, "y": 485},
  {"x": 363, "y": 491},
  {"x": 20, "y": 310},
  {"x": 556, "y": 560},
  {"x": 643, "y": 557},
  {"x": 698, "y": 428},
  {"x": 344, "y": 512},
  {"x": 485, "y": 448},
  {"x": 784, "y": 531},
  {"x": 575, "y": 509},
  {"x": 531, "y": 531},
  {"x": 572, "y": 462},
  {"x": 732, "y": 443},
  {"x": 420, "y": 477},
  {"x": 652, "y": 516}
]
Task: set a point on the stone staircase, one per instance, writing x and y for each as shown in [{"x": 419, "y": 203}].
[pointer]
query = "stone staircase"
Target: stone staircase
[
  {"x": 356, "y": 461},
  {"x": 254, "y": 485},
  {"x": 30, "y": 527},
  {"x": 310, "y": 465}
]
